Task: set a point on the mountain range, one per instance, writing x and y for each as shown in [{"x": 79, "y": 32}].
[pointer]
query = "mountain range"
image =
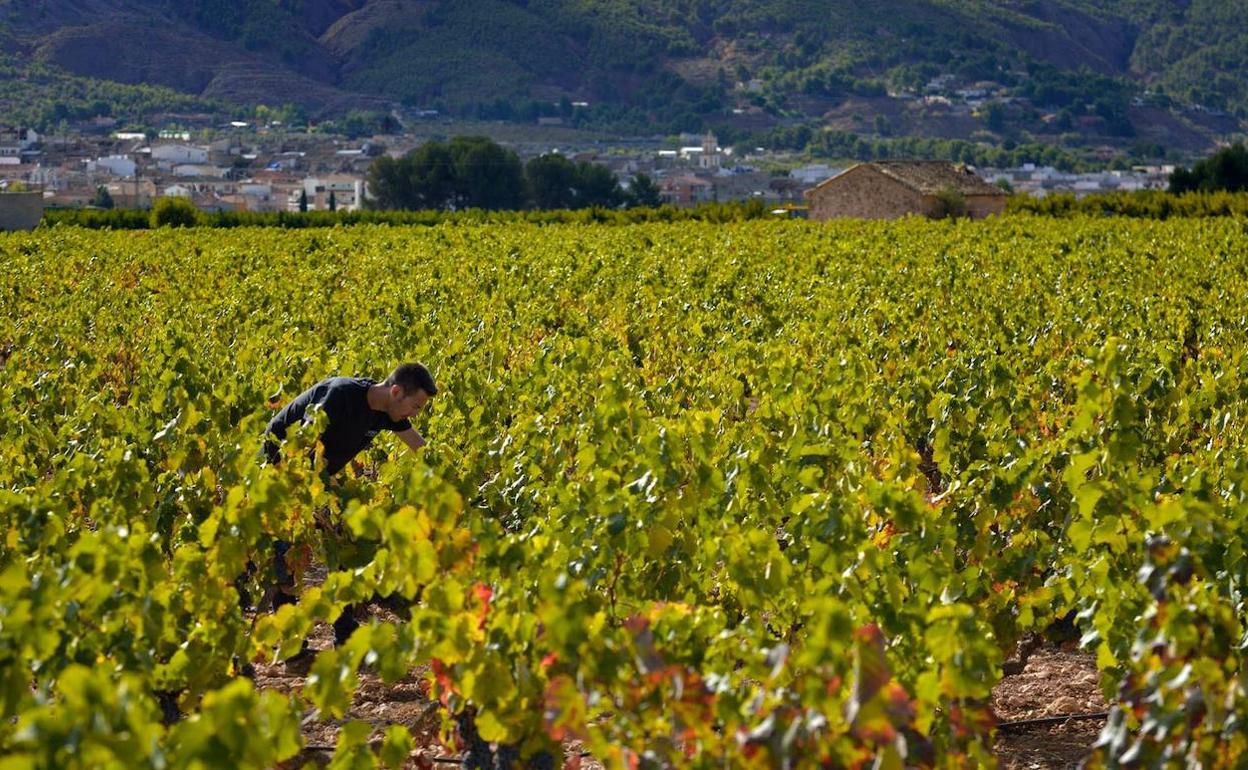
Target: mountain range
[{"x": 672, "y": 64}]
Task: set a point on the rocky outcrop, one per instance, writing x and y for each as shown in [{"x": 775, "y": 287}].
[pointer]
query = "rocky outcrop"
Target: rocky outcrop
[
  {"x": 157, "y": 53},
  {"x": 1071, "y": 38},
  {"x": 319, "y": 15}
]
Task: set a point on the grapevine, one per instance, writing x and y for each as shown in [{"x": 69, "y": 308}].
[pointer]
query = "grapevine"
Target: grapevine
[{"x": 761, "y": 494}]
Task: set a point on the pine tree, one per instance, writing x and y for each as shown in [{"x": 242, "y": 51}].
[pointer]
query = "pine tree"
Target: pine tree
[{"x": 103, "y": 198}]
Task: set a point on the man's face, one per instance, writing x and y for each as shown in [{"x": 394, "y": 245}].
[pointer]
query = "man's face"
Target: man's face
[{"x": 404, "y": 405}]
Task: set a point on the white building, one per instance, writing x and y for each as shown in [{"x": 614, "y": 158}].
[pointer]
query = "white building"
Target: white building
[
  {"x": 117, "y": 165},
  {"x": 48, "y": 176},
  {"x": 260, "y": 196},
  {"x": 174, "y": 154},
  {"x": 197, "y": 170},
  {"x": 347, "y": 192},
  {"x": 255, "y": 189},
  {"x": 814, "y": 173},
  {"x": 14, "y": 141}
]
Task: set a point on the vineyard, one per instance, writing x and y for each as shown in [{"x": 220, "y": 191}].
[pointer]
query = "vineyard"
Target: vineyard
[{"x": 763, "y": 494}]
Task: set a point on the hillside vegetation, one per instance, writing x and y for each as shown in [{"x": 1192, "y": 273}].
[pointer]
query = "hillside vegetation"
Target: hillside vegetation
[{"x": 648, "y": 64}]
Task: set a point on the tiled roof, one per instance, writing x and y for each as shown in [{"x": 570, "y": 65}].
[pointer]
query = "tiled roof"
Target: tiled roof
[{"x": 930, "y": 176}]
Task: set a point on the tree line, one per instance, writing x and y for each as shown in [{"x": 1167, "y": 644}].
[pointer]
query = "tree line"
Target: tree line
[
  {"x": 830, "y": 144},
  {"x": 474, "y": 172},
  {"x": 1226, "y": 169}
]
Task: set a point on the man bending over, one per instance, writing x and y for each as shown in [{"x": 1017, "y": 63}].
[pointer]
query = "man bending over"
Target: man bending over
[{"x": 358, "y": 409}]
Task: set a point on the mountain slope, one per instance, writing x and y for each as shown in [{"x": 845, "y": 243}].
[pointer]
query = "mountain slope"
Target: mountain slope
[{"x": 647, "y": 62}]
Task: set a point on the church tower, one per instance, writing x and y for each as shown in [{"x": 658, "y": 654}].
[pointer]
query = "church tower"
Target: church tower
[{"x": 709, "y": 159}]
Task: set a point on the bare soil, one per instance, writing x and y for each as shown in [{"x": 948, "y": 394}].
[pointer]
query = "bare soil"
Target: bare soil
[
  {"x": 405, "y": 702},
  {"x": 1054, "y": 682}
]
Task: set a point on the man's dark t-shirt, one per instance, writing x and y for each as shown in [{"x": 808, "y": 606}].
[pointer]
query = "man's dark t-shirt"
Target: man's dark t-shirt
[{"x": 352, "y": 423}]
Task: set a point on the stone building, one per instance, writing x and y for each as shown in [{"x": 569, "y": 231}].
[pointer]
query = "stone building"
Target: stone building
[
  {"x": 892, "y": 189},
  {"x": 685, "y": 190},
  {"x": 709, "y": 159},
  {"x": 20, "y": 210}
]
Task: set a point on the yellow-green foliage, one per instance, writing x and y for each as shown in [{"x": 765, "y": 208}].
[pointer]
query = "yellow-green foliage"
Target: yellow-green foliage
[
  {"x": 1148, "y": 204},
  {"x": 729, "y": 495}
]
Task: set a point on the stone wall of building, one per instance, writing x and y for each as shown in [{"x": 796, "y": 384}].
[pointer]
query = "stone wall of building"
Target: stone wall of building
[
  {"x": 977, "y": 206},
  {"x": 862, "y": 193},
  {"x": 20, "y": 210},
  {"x": 980, "y": 206}
]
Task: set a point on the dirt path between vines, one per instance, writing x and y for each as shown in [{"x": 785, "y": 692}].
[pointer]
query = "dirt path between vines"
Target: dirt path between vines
[{"x": 1054, "y": 682}]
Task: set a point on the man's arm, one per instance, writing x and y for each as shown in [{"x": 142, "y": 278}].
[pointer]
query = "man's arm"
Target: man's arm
[{"x": 413, "y": 439}]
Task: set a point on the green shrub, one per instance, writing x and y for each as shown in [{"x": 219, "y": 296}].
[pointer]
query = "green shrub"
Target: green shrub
[
  {"x": 174, "y": 212},
  {"x": 135, "y": 219},
  {"x": 949, "y": 204}
]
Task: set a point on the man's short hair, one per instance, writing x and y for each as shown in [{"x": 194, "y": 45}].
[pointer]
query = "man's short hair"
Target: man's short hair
[{"x": 412, "y": 377}]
